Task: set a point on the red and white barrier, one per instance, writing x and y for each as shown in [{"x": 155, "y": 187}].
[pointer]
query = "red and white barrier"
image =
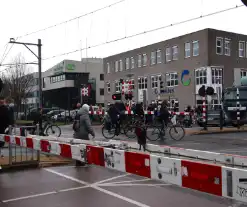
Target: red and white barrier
[{"x": 214, "y": 179}]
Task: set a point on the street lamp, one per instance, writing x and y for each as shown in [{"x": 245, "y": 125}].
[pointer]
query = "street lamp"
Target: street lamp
[{"x": 12, "y": 40}]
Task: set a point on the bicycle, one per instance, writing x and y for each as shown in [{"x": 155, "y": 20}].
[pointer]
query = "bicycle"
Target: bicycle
[
  {"x": 110, "y": 128},
  {"x": 130, "y": 127},
  {"x": 48, "y": 125},
  {"x": 157, "y": 131}
]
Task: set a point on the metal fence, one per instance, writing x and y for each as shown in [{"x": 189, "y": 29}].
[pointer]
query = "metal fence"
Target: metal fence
[{"x": 12, "y": 155}]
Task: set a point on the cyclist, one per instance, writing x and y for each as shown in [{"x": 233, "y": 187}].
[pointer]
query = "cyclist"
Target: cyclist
[
  {"x": 38, "y": 119},
  {"x": 164, "y": 115},
  {"x": 114, "y": 114}
]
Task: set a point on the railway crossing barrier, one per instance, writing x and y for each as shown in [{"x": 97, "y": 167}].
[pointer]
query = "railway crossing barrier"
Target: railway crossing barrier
[{"x": 218, "y": 174}]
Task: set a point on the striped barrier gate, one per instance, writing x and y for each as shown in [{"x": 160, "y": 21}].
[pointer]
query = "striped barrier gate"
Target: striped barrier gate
[{"x": 209, "y": 176}]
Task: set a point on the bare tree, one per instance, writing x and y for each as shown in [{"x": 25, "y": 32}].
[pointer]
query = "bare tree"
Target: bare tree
[{"x": 18, "y": 81}]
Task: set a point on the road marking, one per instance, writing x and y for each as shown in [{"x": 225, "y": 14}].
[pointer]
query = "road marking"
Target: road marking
[
  {"x": 100, "y": 189},
  {"x": 45, "y": 194},
  {"x": 109, "y": 179},
  {"x": 31, "y": 196},
  {"x": 130, "y": 181},
  {"x": 72, "y": 189},
  {"x": 132, "y": 184},
  {"x": 66, "y": 176}
]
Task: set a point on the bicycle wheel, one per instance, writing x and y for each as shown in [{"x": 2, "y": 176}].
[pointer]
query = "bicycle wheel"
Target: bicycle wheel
[
  {"x": 129, "y": 131},
  {"x": 108, "y": 133},
  {"x": 153, "y": 133},
  {"x": 177, "y": 132},
  {"x": 53, "y": 129}
]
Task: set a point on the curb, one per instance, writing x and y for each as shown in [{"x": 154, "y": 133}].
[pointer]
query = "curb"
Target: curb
[{"x": 217, "y": 132}]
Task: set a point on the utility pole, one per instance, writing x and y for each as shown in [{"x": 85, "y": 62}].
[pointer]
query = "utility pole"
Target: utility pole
[
  {"x": 39, "y": 45},
  {"x": 40, "y": 73}
]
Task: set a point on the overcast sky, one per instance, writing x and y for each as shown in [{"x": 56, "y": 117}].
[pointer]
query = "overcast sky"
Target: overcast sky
[{"x": 124, "y": 19}]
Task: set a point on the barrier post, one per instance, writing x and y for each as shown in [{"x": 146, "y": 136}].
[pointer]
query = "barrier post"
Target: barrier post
[
  {"x": 221, "y": 119},
  {"x": 10, "y": 146},
  {"x": 37, "y": 133}
]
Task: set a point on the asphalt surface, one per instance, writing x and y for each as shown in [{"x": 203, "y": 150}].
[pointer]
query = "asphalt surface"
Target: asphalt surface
[
  {"x": 95, "y": 186},
  {"x": 230, "y": 143}
]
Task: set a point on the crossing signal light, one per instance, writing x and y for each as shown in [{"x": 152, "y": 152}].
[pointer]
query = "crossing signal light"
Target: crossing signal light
[
  {"x": 116, "y": 96},
  {"x": 202, "y": 91},
  {"x": 210, "y": 91}
]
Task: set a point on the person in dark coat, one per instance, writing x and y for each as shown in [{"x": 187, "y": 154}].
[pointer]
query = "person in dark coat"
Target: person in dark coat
[
  {"x": 4, "y": 118},
  {"x": 85, "y": 127}
]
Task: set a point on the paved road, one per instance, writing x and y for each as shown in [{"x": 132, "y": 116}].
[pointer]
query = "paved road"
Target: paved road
[
  {"x": 95, "y": 186},
  {"x": 232, "y": 143}
]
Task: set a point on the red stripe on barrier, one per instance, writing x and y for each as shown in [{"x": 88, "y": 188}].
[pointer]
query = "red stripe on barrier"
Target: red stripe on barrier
[
  {"x": 95, "y": 155},
  {"x": 18, "y": 141},
  {"x": 65, "y": 150},
  {"x": 45, "y": 145},
  {"x": 203, "y": 177},
  {"x": 7, "y": 138},
  {"x": 137, "y": 163},
  {"x": 29, "y": 142}
]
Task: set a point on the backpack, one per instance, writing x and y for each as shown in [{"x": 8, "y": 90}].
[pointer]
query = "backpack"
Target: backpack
[{"x": 141, "y": 134}]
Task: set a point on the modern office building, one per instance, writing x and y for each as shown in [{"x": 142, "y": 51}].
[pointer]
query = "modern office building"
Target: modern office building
[
  {"x": 207, "y": 57},
  {"x": 61, "y": 83}
]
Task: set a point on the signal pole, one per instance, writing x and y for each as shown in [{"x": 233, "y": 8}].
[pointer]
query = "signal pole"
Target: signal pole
[{"x": 39, "y": 45}]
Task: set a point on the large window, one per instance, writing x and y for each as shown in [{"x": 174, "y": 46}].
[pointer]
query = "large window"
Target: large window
[
  {"x": 227, "y": 47},
  {"x": 120, "y": 65},
  {"x": 168, "y": 54},
  {"x": 101, "y": 91},
  {"x": 195, "y": 48},
  {"x": 154, "y": 81},
  {"x": 116, "y": 66},
  {"x": 108, "y": 68},
  {"x": 108, "y": 87},
  {"x": 219, "y": 46},
  {"x": 57, "y": 78},
  {"x": 216, "y": 75},
  {"x": 144, "y": 59},
  {"x": 172, "y": 79},
  {"x": 139, "y": 63},
  {"x": 127, "y": 63},
  {"x": 241, "y": 49},
  {"x": 117, "y": 86},
  {"x": 101, "y": 77},
  {"x": 153, "y": 58},
  {"x": 142, "y": 83},
  {"x": 187, "y": 49},
  {"x": 175, "y": 52},
  {"x": 243, "y": 73},
  {"x": 132, "y": 62},
  {"x": 201, "y": 76},
  {"x": 158, "y": 56}
]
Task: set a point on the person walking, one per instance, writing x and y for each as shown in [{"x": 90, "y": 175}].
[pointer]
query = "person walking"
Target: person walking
[{"x": 85, "y": 128}]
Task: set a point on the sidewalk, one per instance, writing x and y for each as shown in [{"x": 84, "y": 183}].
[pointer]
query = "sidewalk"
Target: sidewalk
[{"x": 214, "y": 130}]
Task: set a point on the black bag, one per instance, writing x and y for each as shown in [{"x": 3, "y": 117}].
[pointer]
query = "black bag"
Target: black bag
[
  {"x": 2, "y": 144},
  {"x": 141, "y": 134}
]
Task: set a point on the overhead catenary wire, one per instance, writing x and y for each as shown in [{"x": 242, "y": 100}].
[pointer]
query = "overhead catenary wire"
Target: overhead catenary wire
[
  {"x": 141, "y": 33},
  {"x": 147, "y": 31},
  {"x": 78, "y": 17},
  {"x": 6, "y": 47}
]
